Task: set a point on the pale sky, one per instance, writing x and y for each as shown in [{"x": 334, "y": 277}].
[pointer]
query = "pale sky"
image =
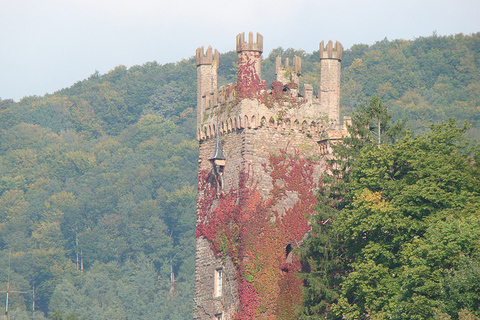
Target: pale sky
[{"x": 47, "y": 45}]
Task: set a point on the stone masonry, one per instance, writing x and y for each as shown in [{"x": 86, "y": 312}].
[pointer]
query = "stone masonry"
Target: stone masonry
[{"x": 254, "y": 123}]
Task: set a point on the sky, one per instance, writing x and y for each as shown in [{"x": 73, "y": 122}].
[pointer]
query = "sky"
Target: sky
[{"x": 47, "y": 45}]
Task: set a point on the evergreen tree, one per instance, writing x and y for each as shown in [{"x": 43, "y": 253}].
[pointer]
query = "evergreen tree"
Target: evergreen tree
[{"x": 399, "y": 238}]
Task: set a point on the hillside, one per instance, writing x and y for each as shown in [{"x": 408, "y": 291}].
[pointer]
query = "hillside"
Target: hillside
[{"x": 98, "y": 181}]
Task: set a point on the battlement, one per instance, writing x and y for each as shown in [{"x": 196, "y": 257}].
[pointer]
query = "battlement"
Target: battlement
[
  {"x": 216, "y": 97},
  {"x": 250, "y": 94},
  {"x": 297, "y": 65},
  {"x": 250, "y": 45},
  {"x": 202, "y": 58},
  {"x": 207, "y": 57},
  {"x": 330, "y": 51},
  {"x": 321, "y": 130}
]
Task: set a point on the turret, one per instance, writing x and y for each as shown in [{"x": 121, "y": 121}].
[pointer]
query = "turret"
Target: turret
[
  {"x": 289, "y": 75},
  {"x": 285, "y": 73},
  {"x": 249, "y": 64},
  {"x": 207, "y": 65},
  {"x": 329, "y": 93}
]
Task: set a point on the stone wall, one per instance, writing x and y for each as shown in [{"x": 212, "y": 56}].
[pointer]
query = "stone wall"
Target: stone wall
[
  {"x": 247, "y": 150},
  {"x": 274, "y": 143},
  {"x": 206, "y": 305}
]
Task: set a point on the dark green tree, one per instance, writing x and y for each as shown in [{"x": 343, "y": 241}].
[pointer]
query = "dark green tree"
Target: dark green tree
[
  {"x": 325, "y": 250},
  {"x": 394, "y": 259}
]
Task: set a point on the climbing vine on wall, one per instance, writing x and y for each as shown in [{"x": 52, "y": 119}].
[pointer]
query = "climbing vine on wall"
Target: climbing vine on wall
[
  {"x": 255, "y": 230},
  {"x": 281, "y": 97},
  {"x": 249, "y": 85}
]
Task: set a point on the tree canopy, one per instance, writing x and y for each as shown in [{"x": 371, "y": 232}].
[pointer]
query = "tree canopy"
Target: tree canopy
[{"x": 399, "y": 238}]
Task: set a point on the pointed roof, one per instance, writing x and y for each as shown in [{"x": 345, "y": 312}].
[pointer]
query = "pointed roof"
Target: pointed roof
[{"x": 218, "y": 153}]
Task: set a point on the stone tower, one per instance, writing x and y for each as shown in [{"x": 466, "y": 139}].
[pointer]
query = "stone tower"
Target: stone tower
[
  {"x": 329, "y": 92},
  {"x": 261, "y": 155}
]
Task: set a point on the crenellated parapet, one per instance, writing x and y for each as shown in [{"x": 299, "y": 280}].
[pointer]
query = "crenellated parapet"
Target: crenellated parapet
[
  {"x": 330, "y": 51},
  {"x": 249, "y": 45},
  {"x": 250, "y": 95},
  {"x": 289, "y": 75},
  {"x": 297, "y": 65},
  {"x": 217, "y": 97},
  {"x": 204, "y": 58},
  {"x": 226, "y": 94},
  {"x": 320, "y": 130}
]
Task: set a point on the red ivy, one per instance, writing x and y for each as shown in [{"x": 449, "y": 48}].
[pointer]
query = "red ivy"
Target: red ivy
[
  {"x": 254, "y": 232},
  {"x": 249, "y": 83},
  {"x": 250, "y": 86}
]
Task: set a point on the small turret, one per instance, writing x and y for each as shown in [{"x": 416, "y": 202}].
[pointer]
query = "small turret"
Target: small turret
[
  {"x": 329, "y": 93},
  {"x": 218, "y": 158},
  {"x": 207, "y": 65},
  {"x": 285, "y": 73},
  {"x": 249, "y": 64}
]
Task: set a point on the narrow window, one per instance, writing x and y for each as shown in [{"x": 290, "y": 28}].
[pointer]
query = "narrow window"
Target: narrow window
[
  {"x": 288, "y": 249},
  {"x": 289, "y": 253},
  {"x": 218, "y": 282}
]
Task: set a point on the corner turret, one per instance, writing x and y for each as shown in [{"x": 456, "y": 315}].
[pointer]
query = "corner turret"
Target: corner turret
[
  {"x": 207, "y": 65},
  {"x": 329, "y": 93}
]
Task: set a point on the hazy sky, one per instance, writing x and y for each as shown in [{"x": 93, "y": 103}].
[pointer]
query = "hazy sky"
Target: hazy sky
[{"x": 46, "y": 45}]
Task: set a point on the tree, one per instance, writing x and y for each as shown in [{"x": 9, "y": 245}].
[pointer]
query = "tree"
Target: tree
[
  {"x": 325, "y": 250},
  {"x": 372, "y": 122},
  {"x": 380, "y": 252}
]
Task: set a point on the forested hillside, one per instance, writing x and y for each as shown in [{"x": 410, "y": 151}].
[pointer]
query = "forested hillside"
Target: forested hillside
[
  {"x": 98, "y": 181},
  {"x": 98, "y": 189}
]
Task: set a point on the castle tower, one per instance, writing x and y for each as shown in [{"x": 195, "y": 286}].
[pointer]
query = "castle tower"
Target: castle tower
[
  {"x": 289, "y": 75},
  {"x": 261, "y": 153},
  {"x": 329, "y": 92},
  {"x": 207, "y": 66},
  {"x": 249, "y": 64}
]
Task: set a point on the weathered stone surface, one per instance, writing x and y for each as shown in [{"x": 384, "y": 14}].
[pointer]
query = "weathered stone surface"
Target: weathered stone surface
[{"x": 253, "y": 129}]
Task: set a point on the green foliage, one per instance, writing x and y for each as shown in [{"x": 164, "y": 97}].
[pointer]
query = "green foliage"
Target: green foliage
[
  {"x": 404, "y": 239},
  {"x": 97, "y": 196},
  {"x": 327, "y": 252},
  {"x": 427, "y": 80},
  {"x": 110, "y": 291}
]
